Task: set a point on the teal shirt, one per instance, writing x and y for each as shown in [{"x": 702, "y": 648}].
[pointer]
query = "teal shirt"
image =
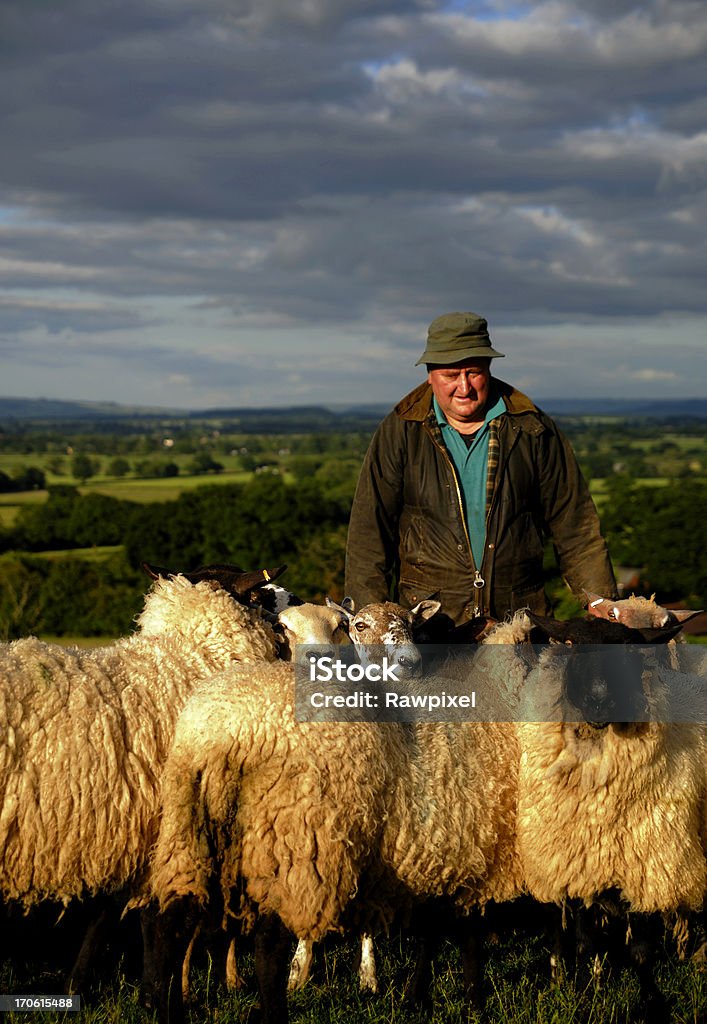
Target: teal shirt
[{"x": 471, "y": 465}]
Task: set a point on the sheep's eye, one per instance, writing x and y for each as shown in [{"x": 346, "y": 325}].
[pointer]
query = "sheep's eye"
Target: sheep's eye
[{"x": 359, "y": 626}]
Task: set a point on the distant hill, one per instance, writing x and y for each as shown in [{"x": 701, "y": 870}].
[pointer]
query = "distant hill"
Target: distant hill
[
  {"x": 55, "y": 409},
  {"x": 308, "y": 418},
  {"x": 638, "y": 408},
  {"x": 18, "y": 414}
]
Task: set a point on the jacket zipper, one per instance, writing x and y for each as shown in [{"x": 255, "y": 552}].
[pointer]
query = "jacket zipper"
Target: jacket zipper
[{"x": 478, "y": 582}]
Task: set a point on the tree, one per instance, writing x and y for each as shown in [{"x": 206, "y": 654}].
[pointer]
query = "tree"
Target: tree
[
  {"x": 20, "y": 587},
  {"x": 55, "y": 465},
  {"x": 204, "y": 463},
  {"x": 118, "y": 467},
  {"x": 31, "y": 479},
  {"x": 82, "y": 467},
  {"x": 663, "y": 530}
]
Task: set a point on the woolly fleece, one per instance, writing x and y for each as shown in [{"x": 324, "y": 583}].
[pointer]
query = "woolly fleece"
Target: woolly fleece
[
  {"x": 297, "y": 818},
  {"x": 621, "y": 807},
  {"x": 86, "y": 733}
]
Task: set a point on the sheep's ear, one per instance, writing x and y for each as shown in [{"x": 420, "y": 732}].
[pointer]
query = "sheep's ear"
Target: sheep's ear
[
  {"x": 553, "y": 629},
  {"x": 684, "y": 614},
  {"x": 244, "y": 582},
  {"x": 660, "y": 636},
  {"x": 424, "y": 610},
  {"x": 599, "y": 607},
  {"x": 346, "y": 608},
  {"x": 156, "y": 572}
]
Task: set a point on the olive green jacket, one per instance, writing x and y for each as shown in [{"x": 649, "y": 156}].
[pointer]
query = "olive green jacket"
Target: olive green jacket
[{"x": 408, "y": 537}]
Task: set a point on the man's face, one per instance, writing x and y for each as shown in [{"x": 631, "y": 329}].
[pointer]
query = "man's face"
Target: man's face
[{"x": 462, "y": 389}]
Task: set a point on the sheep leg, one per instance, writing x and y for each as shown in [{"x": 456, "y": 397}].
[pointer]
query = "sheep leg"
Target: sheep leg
[
  {"x": 418, "y": 993},
  {"x": 301, "y": 966},
  {"x": 186, "y": 965},
  {"x": 563, "y": 951},
  {"x": 87, "y": 955},
  {"x": 426, "y": 928},
  {"x": 167, "y": 938},
  {"x": 234, "y": 979},
  {"x": 367, "y": 977},
  {"x": 470, "y": 939},
  {"x": 273, "y": 944},
  {"x": 653, "y": 1006}
]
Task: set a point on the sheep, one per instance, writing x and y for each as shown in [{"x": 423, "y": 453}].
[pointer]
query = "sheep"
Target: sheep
[
  {"x": 437, "y": 841},
  {"x": 295, "y": 620},
  {"x": 637, "y": 612},
  {"x": 253, "y": 809},
  {"x": 308, "y": 625},
  {"x": 236, "y": 764},
  {"x": 87, "y": 732},
  {"x": 611, "y": 805},
  {"x": 299, "y": 627},
  {"x": 372, "y": 629}
]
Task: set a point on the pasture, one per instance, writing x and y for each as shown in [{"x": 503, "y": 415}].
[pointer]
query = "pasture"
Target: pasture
[{"x": 518, "y": 991}]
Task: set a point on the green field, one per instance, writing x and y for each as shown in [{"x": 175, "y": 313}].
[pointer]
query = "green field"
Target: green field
[
  {"x": 127, "y": 489},
  {"x": 79, "y": 641}
]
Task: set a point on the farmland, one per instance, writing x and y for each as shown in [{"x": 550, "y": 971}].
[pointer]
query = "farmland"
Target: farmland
[
  {"x": 82, "y": 507},
  {"x": 71, "y": 544}
]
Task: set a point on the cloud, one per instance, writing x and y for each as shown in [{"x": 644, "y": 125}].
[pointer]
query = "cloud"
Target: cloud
[
  {"x": 650, "y": 375},
  {"x": 230, "y": 186}
]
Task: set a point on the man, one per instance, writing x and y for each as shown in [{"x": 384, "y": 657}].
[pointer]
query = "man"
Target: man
[{"x": 461, "y": 485}]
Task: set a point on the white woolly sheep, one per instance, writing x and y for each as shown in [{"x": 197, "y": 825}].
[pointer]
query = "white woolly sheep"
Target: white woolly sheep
[
  {"x": 87, "y": 732},
  {"x": 299, "y": 817},
  {"x": 374, "y": 629},
  {"x": 253, "y": 775},
  {"x": 609, "y": 803},
  {"x": 298, "y": 626}
]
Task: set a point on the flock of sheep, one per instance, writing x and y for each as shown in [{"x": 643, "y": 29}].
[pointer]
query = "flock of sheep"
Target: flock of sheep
[{"x": 168, "y": 772}]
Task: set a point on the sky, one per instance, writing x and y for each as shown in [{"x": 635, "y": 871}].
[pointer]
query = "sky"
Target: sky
[{"x": 266, "y": 202}]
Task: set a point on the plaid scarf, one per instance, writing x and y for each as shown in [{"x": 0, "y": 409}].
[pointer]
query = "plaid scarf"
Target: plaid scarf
[{"x": 494, "y": 451}]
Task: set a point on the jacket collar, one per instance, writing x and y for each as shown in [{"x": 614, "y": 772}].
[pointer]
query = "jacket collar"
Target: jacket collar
[{"x": 417, "y": 405}]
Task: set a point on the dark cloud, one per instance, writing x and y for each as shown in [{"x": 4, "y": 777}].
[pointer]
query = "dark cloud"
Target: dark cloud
[{"x": 178, "y": 174}]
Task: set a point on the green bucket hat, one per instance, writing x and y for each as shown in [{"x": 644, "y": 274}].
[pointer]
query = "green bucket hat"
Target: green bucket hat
[{"x": 456, "y": 336}]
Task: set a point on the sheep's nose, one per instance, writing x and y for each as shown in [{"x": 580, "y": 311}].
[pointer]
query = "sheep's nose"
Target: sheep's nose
[
  {"x": 407, "y": 659},
  {"x": 598, "y": 692}
]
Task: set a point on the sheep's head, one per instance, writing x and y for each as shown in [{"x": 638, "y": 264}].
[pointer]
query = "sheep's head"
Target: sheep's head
[
  {"x": 599, "y": 631},
  {"x": 605, "y": 684},
  {"x": 637, "y": 612},
  {"x": 241, "y": 584},
  {"x": 309, "y": 628},
  {"x": 602, "y": 666},
  {"x": 387, "y": 630}
]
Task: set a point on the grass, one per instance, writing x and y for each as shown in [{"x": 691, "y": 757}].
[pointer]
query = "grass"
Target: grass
[
  {"x": 515, "y": 981},
  {"x": 79, "y": 641},
  {"x": 163, "y": 489},
  {"x": 96, "y": 553},
  {"x": 128, "y": 489},
  {"x": 10, "y": 504}
]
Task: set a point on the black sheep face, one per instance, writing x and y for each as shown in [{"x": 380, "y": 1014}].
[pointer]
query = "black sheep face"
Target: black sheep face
[
  {"x": 603, "y": 666},
  {"x": 605, "y": 684}
]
